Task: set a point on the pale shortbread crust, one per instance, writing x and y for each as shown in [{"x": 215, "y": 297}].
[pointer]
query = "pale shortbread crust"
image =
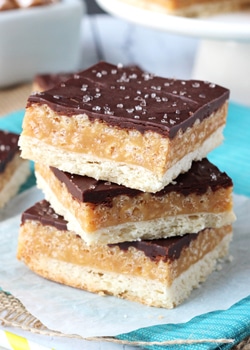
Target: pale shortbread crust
[
  {"x": 163, "y": 227},
  {"x": 51, "y": 258}
]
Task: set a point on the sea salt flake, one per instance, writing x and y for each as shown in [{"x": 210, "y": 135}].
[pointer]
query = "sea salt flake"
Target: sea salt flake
[
  {"x": 213, "y": 177},
  {"x": 202, "y": 95},
  {"x": 84, "y": 87},
  {"x": 96, "y": 108},
  {"x": 196, "y": 85},
  {"x": 130, "y": 110},
  {"x": 86, "y": 98},
  {"x": 138, "y": 108},
  {"x": 133, "y": 76}
]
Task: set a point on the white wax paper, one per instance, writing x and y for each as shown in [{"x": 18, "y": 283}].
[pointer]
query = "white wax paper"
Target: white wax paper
[{"x": 73, "y": 311}]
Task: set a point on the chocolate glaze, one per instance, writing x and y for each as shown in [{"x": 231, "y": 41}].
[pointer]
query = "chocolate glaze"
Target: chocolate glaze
[
  {"x": 159, "y": 249},
  {"x": 45, "y": 214},
  {"x": 48, "y": 81},
  {"x": 198, "y": 179},
  {"x": 8, "y": 148},
  {"x": 129, "y": 98}
]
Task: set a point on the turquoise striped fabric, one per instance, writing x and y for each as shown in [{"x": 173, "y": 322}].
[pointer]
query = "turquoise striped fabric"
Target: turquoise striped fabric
[{"x": 233, "y": 323}]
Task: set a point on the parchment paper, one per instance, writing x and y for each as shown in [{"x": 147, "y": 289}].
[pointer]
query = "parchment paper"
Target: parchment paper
[{"x": 73, "y": 311}]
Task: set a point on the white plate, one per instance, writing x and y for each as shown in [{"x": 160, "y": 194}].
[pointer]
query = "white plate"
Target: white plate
[{"x": 233, "y": 26}]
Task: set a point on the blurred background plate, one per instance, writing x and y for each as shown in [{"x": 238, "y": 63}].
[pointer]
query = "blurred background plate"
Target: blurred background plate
[
  {"x": 233, "y": 26},
  {"x": 39, "y": 39}
]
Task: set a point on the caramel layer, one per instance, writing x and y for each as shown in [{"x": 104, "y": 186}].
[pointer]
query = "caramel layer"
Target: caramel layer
[
  {"x": 204, "y": 190},
  {"x": 161, "y": 260},
  {"x": 131, "y": 99}
]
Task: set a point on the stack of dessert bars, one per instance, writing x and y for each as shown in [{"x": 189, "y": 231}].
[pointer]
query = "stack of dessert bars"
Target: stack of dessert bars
[{"x": 132, "y": 208}]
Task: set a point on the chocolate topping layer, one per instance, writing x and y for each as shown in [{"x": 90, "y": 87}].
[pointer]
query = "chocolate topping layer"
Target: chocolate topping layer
[
  {"x": 45, "y": 214},
  {"x": 129, "y": 98},
  {"x": 8, "y": 147},
  {"x": 168, "y": 248},
  {"x": 48, "y": 81},
  {"x": 198, "y": 179},
  {"x": 160, "y": 249}
]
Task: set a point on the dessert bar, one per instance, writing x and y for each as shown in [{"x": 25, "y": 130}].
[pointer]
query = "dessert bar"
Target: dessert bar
[
  {"x": 104, "y": 212},
  {"x": 158, "y": 273},
  {"x": 14, "y": 170},
  {"x": 124, "y": 125}
]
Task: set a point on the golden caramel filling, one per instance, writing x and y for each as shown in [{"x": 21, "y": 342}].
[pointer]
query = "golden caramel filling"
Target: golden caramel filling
[
  {"x": 67, "y": 247},
  {"x": 142, "y": 207},
  {"x": 100, "y": 141}
]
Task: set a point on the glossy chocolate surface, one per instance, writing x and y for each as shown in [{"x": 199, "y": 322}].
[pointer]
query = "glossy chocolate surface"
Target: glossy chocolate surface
[
  {"x": 165, "y": 249},
  {"x": 8, "y": 148},
  {"x": 198, "y": 179},
  {"x": 129, "y": 98},
  {"x": 45, "y": 214},
  {"x": 48, "y": 81},
  {"x": 160, "y": 249}
]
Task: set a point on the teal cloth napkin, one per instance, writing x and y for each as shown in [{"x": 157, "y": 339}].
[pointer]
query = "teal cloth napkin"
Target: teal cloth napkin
[
  {"x": 233, "y": 323},
  {"x": 233, "y": 156}
]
